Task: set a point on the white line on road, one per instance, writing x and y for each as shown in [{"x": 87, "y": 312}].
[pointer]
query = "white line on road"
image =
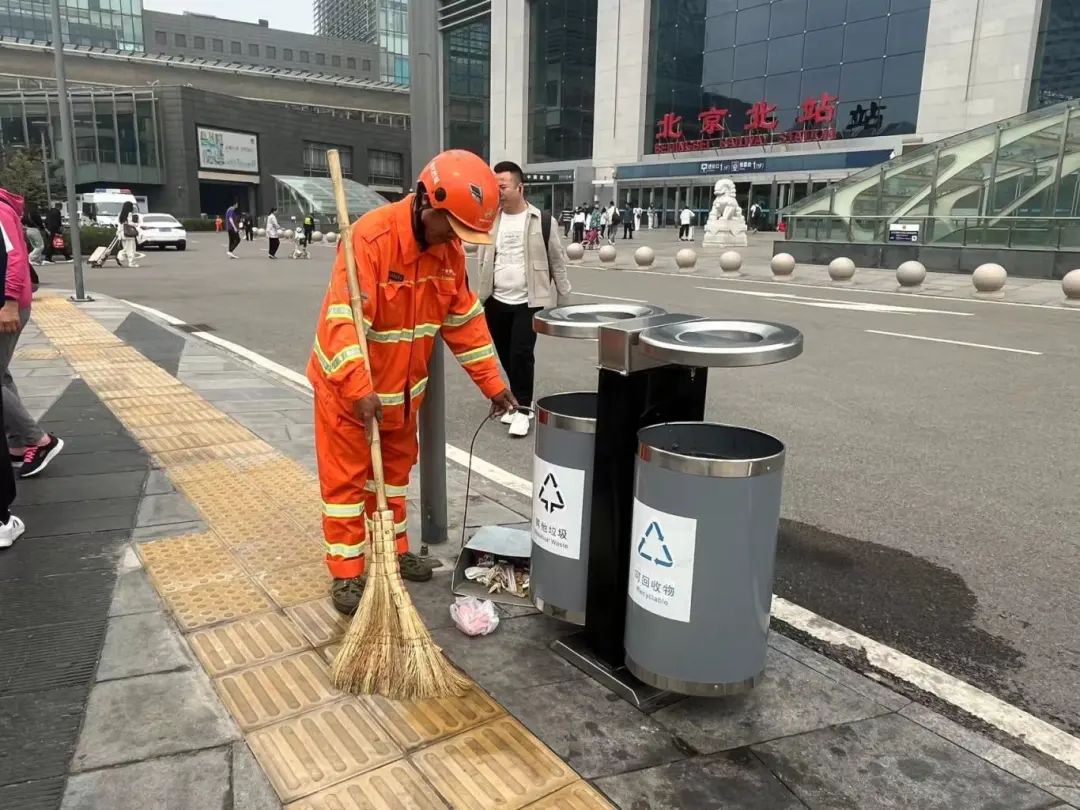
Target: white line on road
[
  {"x": 954, "y": 342},
  {"x": 1014, "y": 721},
  {"x": 833, "y": 303},
  {"x": 610, "y": 297}
]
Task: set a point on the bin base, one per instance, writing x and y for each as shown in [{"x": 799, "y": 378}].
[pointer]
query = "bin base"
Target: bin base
[
  {"x": 570, "y": 616},
  {"x": 689, "y": 688},
  {"x": 576, "y": 650}
]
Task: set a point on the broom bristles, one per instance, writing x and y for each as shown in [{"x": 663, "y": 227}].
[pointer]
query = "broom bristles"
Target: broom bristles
[{"x": 387, "y": 650}]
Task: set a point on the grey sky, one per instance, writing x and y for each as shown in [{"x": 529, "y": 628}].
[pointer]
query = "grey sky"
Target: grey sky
[{"x": 290, "y": 15}]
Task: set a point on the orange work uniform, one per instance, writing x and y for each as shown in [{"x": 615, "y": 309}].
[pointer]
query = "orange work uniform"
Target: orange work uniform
[{"x": 410, "y": 296}]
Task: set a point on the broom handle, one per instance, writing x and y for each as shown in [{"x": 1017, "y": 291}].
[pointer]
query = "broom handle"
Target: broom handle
[{"x": 356, "y": 302}]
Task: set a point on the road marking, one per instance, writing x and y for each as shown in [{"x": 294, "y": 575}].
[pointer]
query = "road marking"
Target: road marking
[
  {"x": 954, "y": 342},
  {"x": 833, "y": 303},
  {"x": 1036, "y": 733},
  {"x": 610, "y": 297}
]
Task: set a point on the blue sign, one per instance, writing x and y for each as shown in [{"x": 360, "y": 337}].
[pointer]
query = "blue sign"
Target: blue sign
[
  {"x": 767, "y": 165},
  {"x": 654, "y": 531}
]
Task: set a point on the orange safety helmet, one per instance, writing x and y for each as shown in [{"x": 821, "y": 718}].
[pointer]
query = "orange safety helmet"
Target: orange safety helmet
[{"x": 462, "y": 184}]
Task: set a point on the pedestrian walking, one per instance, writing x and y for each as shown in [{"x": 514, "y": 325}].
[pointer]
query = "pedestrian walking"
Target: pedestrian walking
[
  {"x": 579, "y": 224},
  {"x": 54, "y": 225},
  {"x": 309, "y": 228},
  {"x": 566, "y": 219},
  {"x": 605, "y": 227},
  {"x": 521, "y": 273},
  {"x": 613, "y": 222},
  {"x": 627, "y": 217},
  {"x": 127, "y": 230},
  {"x": 249, "y": 227},
  {"x": 686, "y": 221},
  {"x": 33, "y": 227},
  {"x": 29, "y": 447},
  {"x": 232, "y": 226},
  {"x": 219, "y": 224},
  {"x": 412, "y": 273},
  {"x": 637, "y": 217},
  {"x": 755, "y": 217},
  {"x": 273, "y": 232},
  {"x": 11, "y": 527}
]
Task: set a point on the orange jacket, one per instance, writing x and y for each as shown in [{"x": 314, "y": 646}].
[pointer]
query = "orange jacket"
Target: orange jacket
[{"x": 416, "y": 296}]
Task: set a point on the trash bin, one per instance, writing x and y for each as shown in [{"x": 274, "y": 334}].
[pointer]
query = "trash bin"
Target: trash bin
[
  {"x": 706, "y": 513},
  {"x": 562, "y": 504}
]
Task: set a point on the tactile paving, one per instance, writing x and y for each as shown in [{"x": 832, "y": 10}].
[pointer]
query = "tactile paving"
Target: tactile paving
[
  {"x": 36, "y": 353},
  {"x": 321, "y": 747},
  {"x": 217, "y": 602},
  {"x": 498, "y": 764},
  {"x": 182, "y": 563},
  {"x": 213, "y": 453},
  {"x": 416, "y": 723},
  {"x": 277, "y": 690},
  {"x": 247, "y": 642},
  {"x": 275, "y": 552},
  {"x": 578, "y": 796},
  {"x": 397, "y": 786},
  {"x": 292, "y": 586},
  {"x": 239, "y": 529},
  {"x": 319, "y": 621}
]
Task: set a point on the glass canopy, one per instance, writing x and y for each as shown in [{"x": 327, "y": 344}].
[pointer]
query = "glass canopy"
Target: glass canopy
[{"x": 297, "y": 196}]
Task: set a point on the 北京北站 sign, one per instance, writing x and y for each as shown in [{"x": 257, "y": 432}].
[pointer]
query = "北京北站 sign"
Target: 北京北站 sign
[
  {"x": 558, "y": 505},
  {"x": 662, "y": 562}
]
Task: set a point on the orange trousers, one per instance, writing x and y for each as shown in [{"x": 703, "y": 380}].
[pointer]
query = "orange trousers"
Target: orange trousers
[{"x": 348, "y": 488}]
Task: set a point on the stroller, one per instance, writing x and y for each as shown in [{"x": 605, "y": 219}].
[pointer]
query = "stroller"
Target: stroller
[
  {"x": 592, "y": 239},
  {"x": 300, "y": 248}
]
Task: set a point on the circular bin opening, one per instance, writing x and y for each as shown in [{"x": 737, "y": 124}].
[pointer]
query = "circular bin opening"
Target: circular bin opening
[
  {"x": 584, "y": 320},
  {"x": 721, "y": 343},
  {"x": 712, "y": 336},
  {"x": 571, "y": 411},
  {"x": 711, "y": 449}
]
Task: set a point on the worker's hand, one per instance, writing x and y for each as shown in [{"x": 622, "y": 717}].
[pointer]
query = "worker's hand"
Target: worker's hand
[
  {"x": 9, "y": 317},
  {"x": 503, "y": 403},
  {"x": 369, "y": 411}
]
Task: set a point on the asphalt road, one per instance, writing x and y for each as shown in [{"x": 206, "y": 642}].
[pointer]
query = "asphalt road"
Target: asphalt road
[{"x": 930, "y": 491}]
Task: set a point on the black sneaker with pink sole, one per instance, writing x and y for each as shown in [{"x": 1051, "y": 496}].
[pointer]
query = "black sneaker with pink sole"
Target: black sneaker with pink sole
[{"x": 38, "y": 458}]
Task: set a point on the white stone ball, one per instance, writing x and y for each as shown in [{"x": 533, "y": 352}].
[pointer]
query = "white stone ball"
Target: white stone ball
[
  {"x": 731, "y": 261},
  {"x": 470, "y": 247},
  {"x": 782, "y": 264},
  {"x": 1070, "y": 285},
  {"x": 644, "y": 256},
  {"x": 911, "y": 274},
  {"x": 289, "y": 234},
  {"x": 260, "y": 231},
  {"x": 608, "y": 254},
  {"x": 316, "y": 236},
  {"x": 841, "y": 269},
  {"x": 686, "y": 259},
  {"x": 575, "y": 252},
  {"x": 989, "y": 278},
  {"x": 331, "y": 238}
]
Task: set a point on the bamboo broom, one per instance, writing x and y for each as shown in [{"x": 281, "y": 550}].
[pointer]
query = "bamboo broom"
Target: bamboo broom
[{"x": 387, "y": 649}]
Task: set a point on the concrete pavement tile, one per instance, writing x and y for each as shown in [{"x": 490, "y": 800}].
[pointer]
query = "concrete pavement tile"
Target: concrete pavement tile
[
  {"x": 158, "y": 483},
  {"x": 433, "y": 599},
  {"x": 134, "y": 594},
  {"x": 888, "y": 762},
  {"x": 158, "y": 510},
  {"x": 791, "y": 699},
  {"x": 733, "y": 781},
  {"x": 197, "y": 781},
  {"x": 149, "y": 716},
  {"x": 301, "y": 432},
  {"x": 168, "y": 530},
  {"x": 592, "y": 730},
  {"x": 57, "y": 489},
  {"x": 140, "y": 644},
  {"x": 263, "y": 404},
  {"x": 251, "y": 790}
]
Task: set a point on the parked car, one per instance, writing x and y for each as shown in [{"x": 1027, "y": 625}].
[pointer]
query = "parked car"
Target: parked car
[{"x": 162, "y": 231}]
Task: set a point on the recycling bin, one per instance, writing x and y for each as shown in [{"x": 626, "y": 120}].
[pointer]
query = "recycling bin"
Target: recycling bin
[
  {"x": 702, "y": 555},
  {"x": 562, "y": 504}
]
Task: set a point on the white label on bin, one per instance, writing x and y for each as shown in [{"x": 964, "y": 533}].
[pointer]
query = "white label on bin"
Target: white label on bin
[
  {"x": 662, "y": 562},
  {"x": 558, "y": 503}
]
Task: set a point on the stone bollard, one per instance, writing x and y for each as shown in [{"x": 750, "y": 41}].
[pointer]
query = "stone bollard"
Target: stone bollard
[
  {"x": 783, "y": 266},
  {"x": 989, "y": 281},
  {"x": 316, "y": 236},
  {"x": 575, "y": 252},
  {"x": 910, "y": 276},
  {"x": 686, "y": 259},
  {"x": 841, "y": 270},
  {"x": 1070, "y": 285},
  {"x": 608, "y": 254},
  {"x": 331, "y": 238},
  {"x": 731, "y": 263},
  {"x": 260, "y": 231},
  {"x": 289, "y": 234},
  {"x": 644, "y": 256}
]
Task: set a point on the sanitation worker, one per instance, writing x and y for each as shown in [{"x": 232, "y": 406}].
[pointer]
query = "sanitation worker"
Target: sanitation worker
[{"x": 412, "y": 275}]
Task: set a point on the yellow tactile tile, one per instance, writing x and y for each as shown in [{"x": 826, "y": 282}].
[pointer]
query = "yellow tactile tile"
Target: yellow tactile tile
[
  {"x": 498, "y": 764},
  {"x": 293, "y": 586},
  {"x": 217, "y": 602},
  {"x": 36, "y": 353},
  {"x": 319, "y": 621},
  {"x": 416, "y": 723},
  {"x": 321, "y": 747},
  {"x": 213, "y": 453},
  {"x": 578, "y": 796},
  {"x": 223, "y": 429},
  {"x": 277, "y": 690},
  {"x": 330, "y": 651},
  {"x": 247, "y": 642},
  {"x": 275, "y": 552},
  {"x": 239, "y": 529},
  {"x": 397, "y": 786},
  {"x": 182, "y": 563}
]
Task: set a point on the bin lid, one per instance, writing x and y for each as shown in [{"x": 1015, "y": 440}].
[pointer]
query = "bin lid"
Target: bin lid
[
  {"x": 720, "y": 343},
  {"x": 583, "y": 321}
]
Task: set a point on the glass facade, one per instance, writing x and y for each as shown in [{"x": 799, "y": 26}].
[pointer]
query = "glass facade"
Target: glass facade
[
  {"x": 385, "y": 168},
  {"x": 393, "y": 40},
  {"x": 765, "y": 71},
  {"x": 316, "y": 164},
  {"x": 562, "y": 68},
  {"x": 98, "y": 23},
  {"x": 1057, "y": 62},
  {"x": 467, "y": 86}
]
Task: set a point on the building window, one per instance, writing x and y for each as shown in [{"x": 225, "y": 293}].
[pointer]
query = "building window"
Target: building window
[
  {"x": 335, "y": 61},
  {"x": 350, "y": 63},
  {"x": 305, "y": 57},
  {"x": 320, "y": 59},
  {"x": 367, "y": 66},
  {"x": 253, "y": 49},
  {"x": 180, "y": 40},
  {"x": 466, "y": 86},
  {"x": 161, "y": 38},
  {"x": 286, "y": 54},
  {"x": 315, "y": 164},
  {"x": 235, "y": 48},
  {"x": 219, "y": 46},
  {"x": 200, "y": 43},
  {"x": 385, "y": 168},
  {"x": 271, "y": 52}
]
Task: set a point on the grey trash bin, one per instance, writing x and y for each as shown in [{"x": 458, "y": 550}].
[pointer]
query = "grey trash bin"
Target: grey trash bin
[
  {"x": 562, "y": 504},
  {"x": 706, "y": 513}
]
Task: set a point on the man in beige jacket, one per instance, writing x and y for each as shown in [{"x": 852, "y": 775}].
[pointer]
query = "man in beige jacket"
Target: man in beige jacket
[{"x": 521, "y": 273}]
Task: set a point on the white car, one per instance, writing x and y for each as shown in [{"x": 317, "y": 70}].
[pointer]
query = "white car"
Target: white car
[{"x": 162, "y": 231}]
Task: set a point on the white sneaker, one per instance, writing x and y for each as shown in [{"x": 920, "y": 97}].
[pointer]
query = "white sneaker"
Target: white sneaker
[
  {"x": 11, "y": 531},
  {"x": 507, "y": 418},
  {"x": 519, "y": 425},
  {"x": 231, "y": 255}
]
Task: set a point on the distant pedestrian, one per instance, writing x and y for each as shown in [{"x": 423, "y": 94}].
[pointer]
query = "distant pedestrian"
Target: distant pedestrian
[
  {"x": 686, "y": 222},
  {"x": 650, "y": 218},
  {"x": 249, "y": 227},
  {"x": 127, "y": 230},
  {"x": 605, "y": 223},
  {"x": 54, "y": 225},
  {"x": 219, "y": 224},
  {"x": 579, "y": 224},
  {"x": 232, "y": 226},
  {"x": 273, "y": 232},
  {"x": 613, "y": 222},
  {"x": 637, "y": 217},
  {"x": 33, "y": 226},
  {"x": 627, "y": 217},
  {"x": 755, "y": 217},
  {"x": 566, "y": 219},
  {"x": 309, "y": 228}
]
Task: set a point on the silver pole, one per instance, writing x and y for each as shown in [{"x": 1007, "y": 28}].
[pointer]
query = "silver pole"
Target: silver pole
[
  {"x": 425, "y": 93},
  {"x": 45, "y": 167},
  {"x": 68, "y": 144}
]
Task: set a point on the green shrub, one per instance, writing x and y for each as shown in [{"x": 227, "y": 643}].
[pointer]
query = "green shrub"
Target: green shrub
[
  {"x": 197, "y": 224},
  {"x": 93, "y": 237}
]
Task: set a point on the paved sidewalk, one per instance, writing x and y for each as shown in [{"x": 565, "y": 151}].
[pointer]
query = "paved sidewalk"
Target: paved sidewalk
[{"x": 167, "y": 634}]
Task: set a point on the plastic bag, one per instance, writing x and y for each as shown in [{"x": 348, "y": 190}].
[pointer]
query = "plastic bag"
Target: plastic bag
[{"x": 474, "y": 617}]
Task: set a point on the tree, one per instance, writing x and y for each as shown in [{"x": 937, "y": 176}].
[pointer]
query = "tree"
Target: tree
[{"x": 21, "y": 172}]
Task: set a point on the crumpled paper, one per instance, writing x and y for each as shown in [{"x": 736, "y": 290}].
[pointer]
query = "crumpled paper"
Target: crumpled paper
[
  {"x": 474, "y": 617},
  {"x": 500, "y": 577}
]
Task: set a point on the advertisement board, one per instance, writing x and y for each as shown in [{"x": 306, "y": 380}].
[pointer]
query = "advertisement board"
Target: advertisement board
[{"x": 225, "y": 151}]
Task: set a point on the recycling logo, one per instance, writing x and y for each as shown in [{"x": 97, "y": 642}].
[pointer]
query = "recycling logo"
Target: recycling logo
[
  {"x": 550, "y": 496},
  {"x": 654, "y": 540}
]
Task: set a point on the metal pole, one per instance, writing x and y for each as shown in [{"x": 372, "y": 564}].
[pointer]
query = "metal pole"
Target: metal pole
[
  {"x": 425, "y": 94},
  {"x": 45, "y": 167},
  {"x": 68, "y": 144}
]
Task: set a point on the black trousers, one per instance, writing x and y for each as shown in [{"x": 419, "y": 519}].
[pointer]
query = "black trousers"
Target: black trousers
[
  {"x": 234, "y": 240},
  {"x": 274, "y": 245},
  {"x": 250, "y": 234},
  {"x": 515, "y": 341},
  {"x": 579, "y": 232},
  {"x": 628, "y": 230},
  {"x": 684, "y": 231},
  {"x": 50, "y": 250}
]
